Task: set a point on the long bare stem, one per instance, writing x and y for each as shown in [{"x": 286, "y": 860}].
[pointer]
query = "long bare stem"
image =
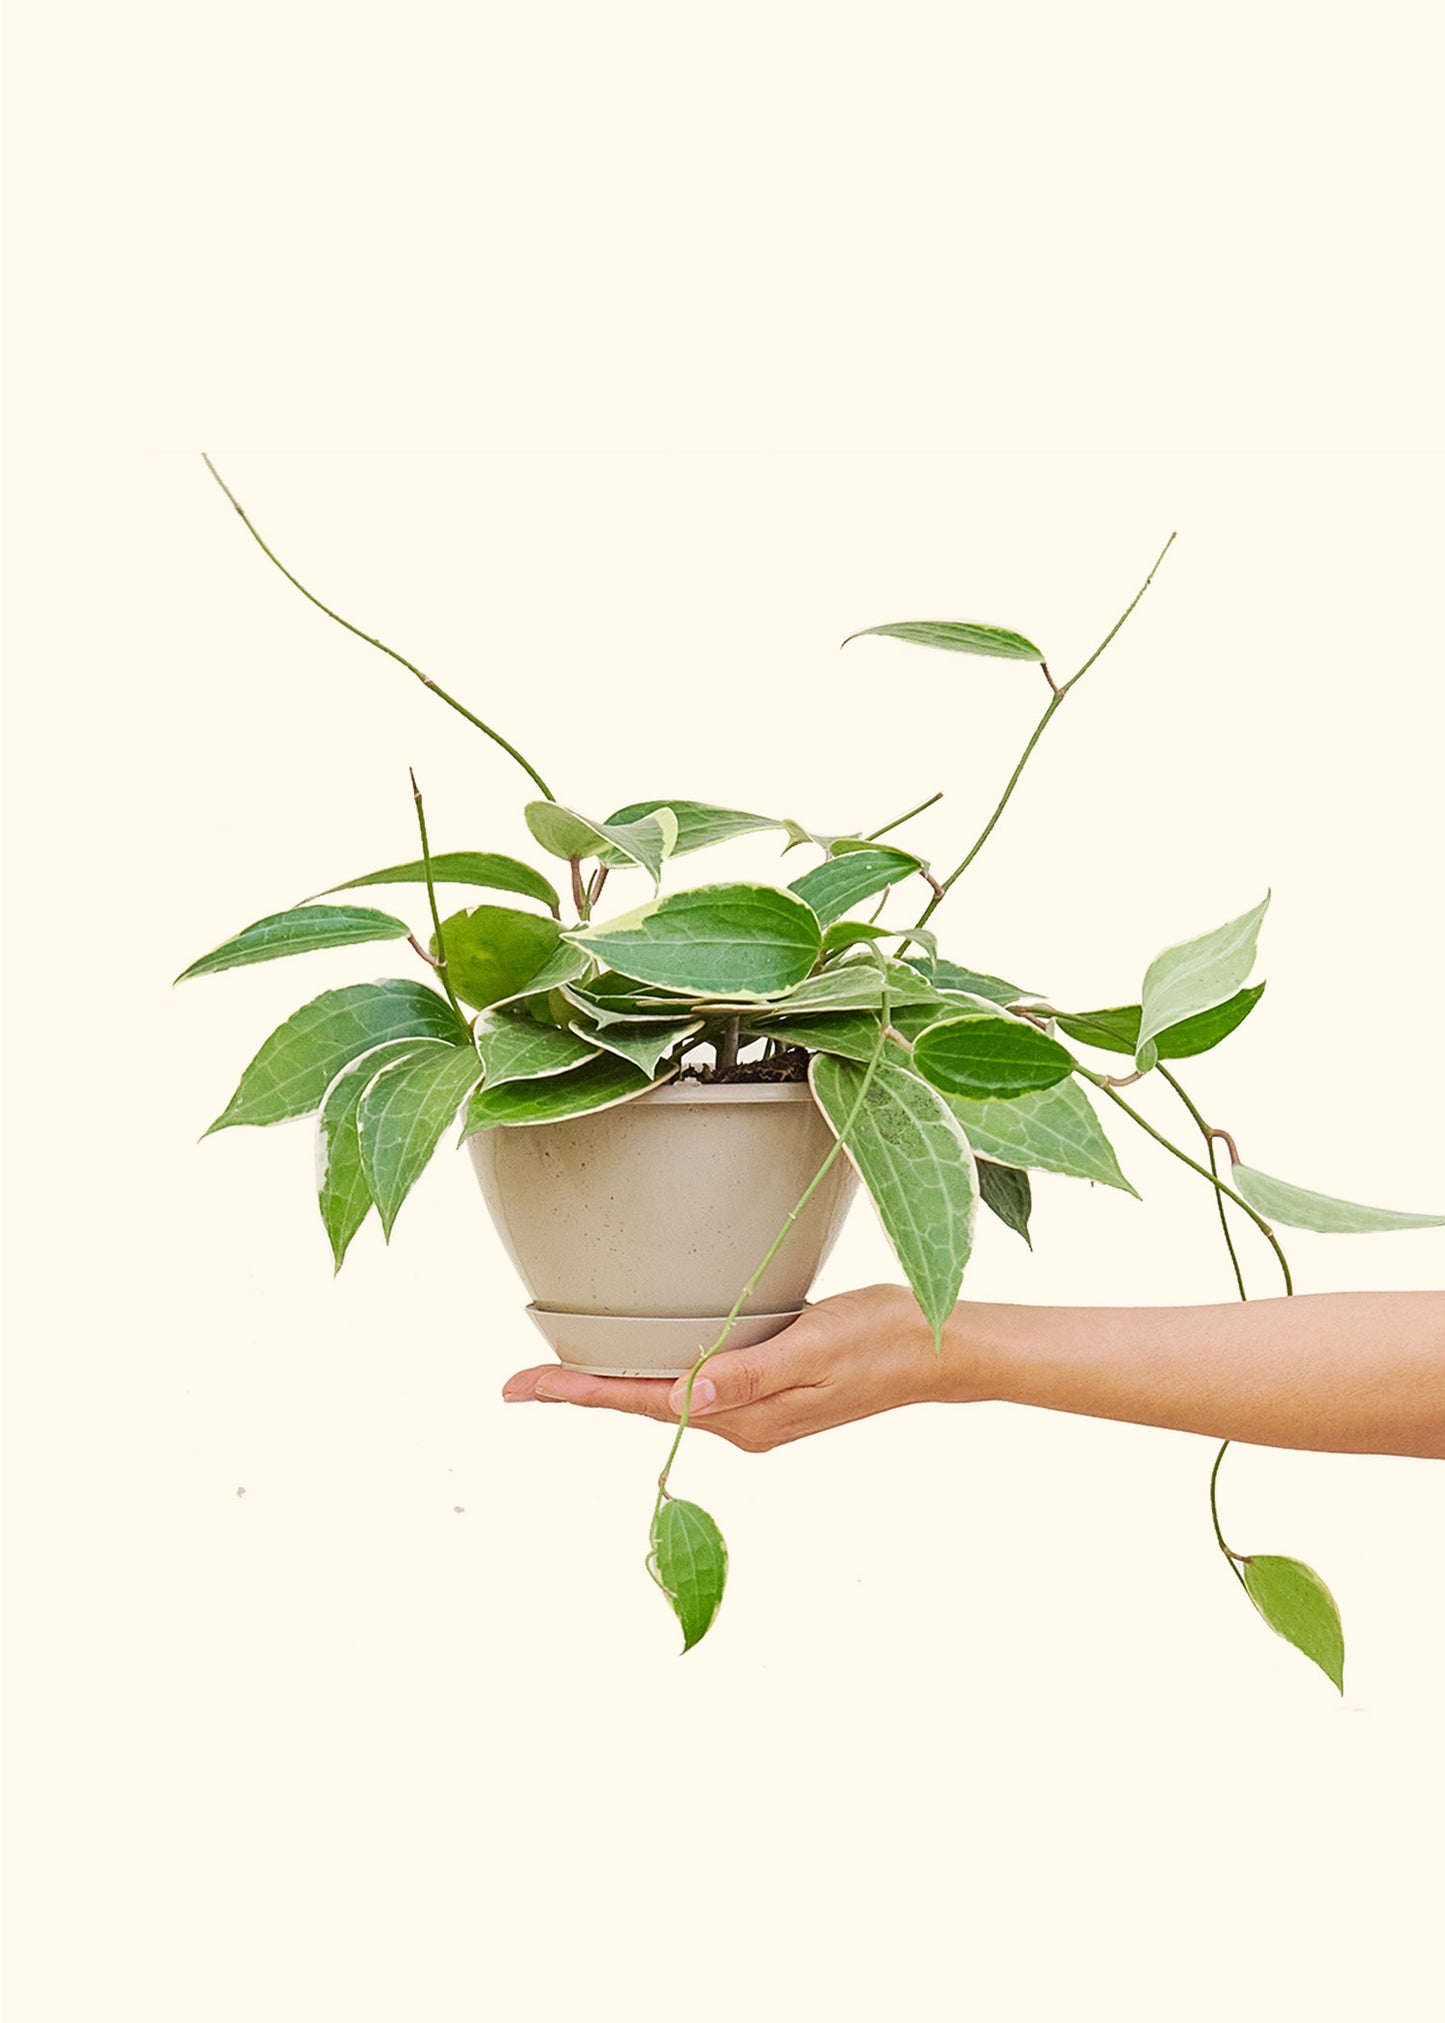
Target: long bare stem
[
  {"x": 440, "y": 964},
  {"x": 425, "y": 679}
]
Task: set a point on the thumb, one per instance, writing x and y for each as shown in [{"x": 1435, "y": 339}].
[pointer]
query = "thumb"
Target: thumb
[{"x": 736, "y": 1377}]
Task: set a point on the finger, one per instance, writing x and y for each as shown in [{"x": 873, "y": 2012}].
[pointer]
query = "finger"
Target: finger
[
  {"x": 644, "y": 1396},
  {"x": 735, "y": 1378},
  {"x": 522, "y": 1388}
]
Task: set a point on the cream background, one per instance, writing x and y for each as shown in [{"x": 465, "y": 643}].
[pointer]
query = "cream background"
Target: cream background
[{"x": 613, "y": 367}]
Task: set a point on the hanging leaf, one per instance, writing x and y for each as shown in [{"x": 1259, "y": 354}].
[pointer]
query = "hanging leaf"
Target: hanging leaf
[
  {"x": 1195, "y": 976},
  {"x": 984, "y": 1055},
  {"x": 916, "y": 1164},
  {"x": 495, "y": 952},
  {"x": 1117, "y": 1031},
  {"x": 298, "y": 932},
  {"x": 515, "y": 1048},
  {"x": 341, "y": 1186},
  {"x": 700, "y": 825},
  {"x": 745, "y": 941},
  {"x": 596, "y": 1085},
  {"x": 401, "y": 1117},
  {"x": 646, "y": 842},
  {"x": 689, "y": 1562},
  {"x": 832, "y": 887},
  {"x": 643, "y": 1045},
  {"x": 300, "y": 1060},
  {"x": 464, "y": 867},
  {"x": 1053, "y": 1131},
  {"x": 1008, "y": 1191},
  {"x": 1297, "y": 1605},
  {"x": 1298, "y": 1208},
  {"x": 990, "y": 640}
]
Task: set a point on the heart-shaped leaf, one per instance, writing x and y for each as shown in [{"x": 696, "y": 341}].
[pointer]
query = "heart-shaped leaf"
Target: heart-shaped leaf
[
  {"x": 341, "y": 1185},
  {"x": 1053, "y": 1131},
  {"x": 515, "y": 1048},
  {"x": 300, "y": 1060},
  {"x": 402, "y": 1115},
  {"x": 464, "y": 867},
  {"x": 832, "y": 887},
  {"x": 743, "y": 941},
  {"x": 646, "y": 842},
  {"x": 990, "y": 640},
  {"x": 495, "y": 952},
  {"x": 985, "y": 1055},
  {"x": 1298, "y": 1208},
  {"x": 1195, "y": 976},
  {"x": 914, "y": 1160},
  {"x": 689, "y": 1562},
  {"x": 1008, "y": 1191},
  {"x": 1117, "y": 1031},
  {"x": 596, "y": 1085},
  {"x": 1297, "y": 1605},
  {"x": 298, "y": 932}
]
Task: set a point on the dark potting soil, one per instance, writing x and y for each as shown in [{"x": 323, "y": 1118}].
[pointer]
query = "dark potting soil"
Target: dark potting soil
[{"x": 791, "y": 1066}]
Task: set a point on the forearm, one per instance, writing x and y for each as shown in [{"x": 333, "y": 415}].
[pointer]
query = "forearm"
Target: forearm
[{"x": 1342, "y": 1372}]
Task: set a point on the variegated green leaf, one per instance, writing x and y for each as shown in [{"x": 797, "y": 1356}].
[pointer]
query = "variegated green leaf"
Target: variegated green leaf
[
  {"x": 611, "y": 999},
  {"x": 401, "y": 1117},
  {"x": 839, "y": 883},
  {"x": 700, "y": 825},
  {"x": 515, "y": 1048},
  {"x": 746, "y": 941},
  {"x": 298, "y": 932},
  {"x": 1116, "y": 1031},
  {"x": 851, "y": 933},
  {"x": 853, "y": 985},
  {"x": 990, "y": 640},
  {"x": 1053, "y": 1131},
  {"x": 300, "y": 1060},
  {"x": 646, "y": 842},
  {"x": 1297, "y": 1605},
  {"x": 946, "y": 976},
  {"x": 643, "y": 1045},
  {"x": 596, "y": 1085},
  {"x": 689, "y": 1562},
  {"x": 1194, "y": 976},
  {"x": 917, "y": 1165},
  {"x": 1298, "y": 1208},
  {"x": 850, "y": 1035},
  {"x": 341, "y": 1187},
  {"x": 496, "y": 952},
  {"x": 465, "y": 867},
  {"x": 986, "y": 1055}
]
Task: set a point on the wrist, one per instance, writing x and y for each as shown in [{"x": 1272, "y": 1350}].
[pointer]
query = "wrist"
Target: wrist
[{"x": 986, "y": 1350}]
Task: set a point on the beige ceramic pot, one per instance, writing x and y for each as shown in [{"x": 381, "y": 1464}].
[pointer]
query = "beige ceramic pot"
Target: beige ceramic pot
[{"x": 635, "y": 1228}]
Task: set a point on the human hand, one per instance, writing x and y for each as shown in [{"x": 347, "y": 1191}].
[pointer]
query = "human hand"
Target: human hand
[{"x": 845, "y": 1358}]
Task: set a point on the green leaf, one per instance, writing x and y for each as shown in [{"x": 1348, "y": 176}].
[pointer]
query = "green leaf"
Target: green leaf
[
  {"x": 700, "y": 824},
  {"x": 689, "y": 1562},
  {"x": 854, "y": 985},
  {"x": 300, "y": 1060},
  {"x": 1297, "y": 1605},
  {"x": 565, "y": 965},
  {"x": 849, "y": 933},
  {"x": 611, "y": 999},
  {"x": 945, "y": 975},
  {"x": 747, "y": 941},
  {"x": 991, "y": 640},
  {"x": 1008, "y": 1191},
  {"x": 496, "y": 952},
  {"x": 984, "y": 1055},
  {"x": 515, "y": 1048},
  {"x": 341, "y": 1186},
  {"x": 643, "y": 1045},
  {"x": 646, "y": 842},
  {"x": 1117, "y": 1031},
  {"x": 465, "y": 867},
  {"x": 401, "y": 1117},
  {"x": 916, "y": 1163},
  {"x": 296, "y": 933},
  {"x": 832, "y": 887},
  {"x": 596, "y": 1085},
  {"x": 850, "y": 1035},
  {"x": 1298, "y": 1208},
  {"x": 1053, "y": 1131},
  {"x": 1195, "y": 976}
]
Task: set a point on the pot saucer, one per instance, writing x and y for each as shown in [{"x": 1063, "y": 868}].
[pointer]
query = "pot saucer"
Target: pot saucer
[{"x": 626, "y": 1345}]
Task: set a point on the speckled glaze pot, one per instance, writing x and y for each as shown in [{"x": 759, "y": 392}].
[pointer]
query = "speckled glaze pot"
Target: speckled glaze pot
[{"x": 635, "y": 1228}]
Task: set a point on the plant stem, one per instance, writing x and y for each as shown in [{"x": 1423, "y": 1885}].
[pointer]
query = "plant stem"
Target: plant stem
[
  {"x": 424, "y": 679},
  {"x": 727, "y": 1046},
  {"x": 777, "y": 1243},
  {"x": 1060, "y": 691},
  {"x": 1214, "y": 1169},
  {"x": 431, "y": 893},
  {"x": 898, "y": 821}
]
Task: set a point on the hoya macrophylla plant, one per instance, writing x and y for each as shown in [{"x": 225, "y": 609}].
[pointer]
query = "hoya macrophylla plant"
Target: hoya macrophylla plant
[{"x": 945, "y": 1085}]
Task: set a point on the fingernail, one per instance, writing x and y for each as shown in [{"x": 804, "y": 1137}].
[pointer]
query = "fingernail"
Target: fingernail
[
  {"x": 704, "y": 1392},
  {"x": 515, "y": 1397}
]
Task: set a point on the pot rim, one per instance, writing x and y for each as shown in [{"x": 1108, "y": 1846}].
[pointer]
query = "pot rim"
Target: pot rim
[{"x": 728, "y": 1092}]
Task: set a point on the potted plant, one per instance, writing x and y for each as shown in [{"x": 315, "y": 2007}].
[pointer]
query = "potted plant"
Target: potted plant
[{"x": 667, "y": 1102}]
